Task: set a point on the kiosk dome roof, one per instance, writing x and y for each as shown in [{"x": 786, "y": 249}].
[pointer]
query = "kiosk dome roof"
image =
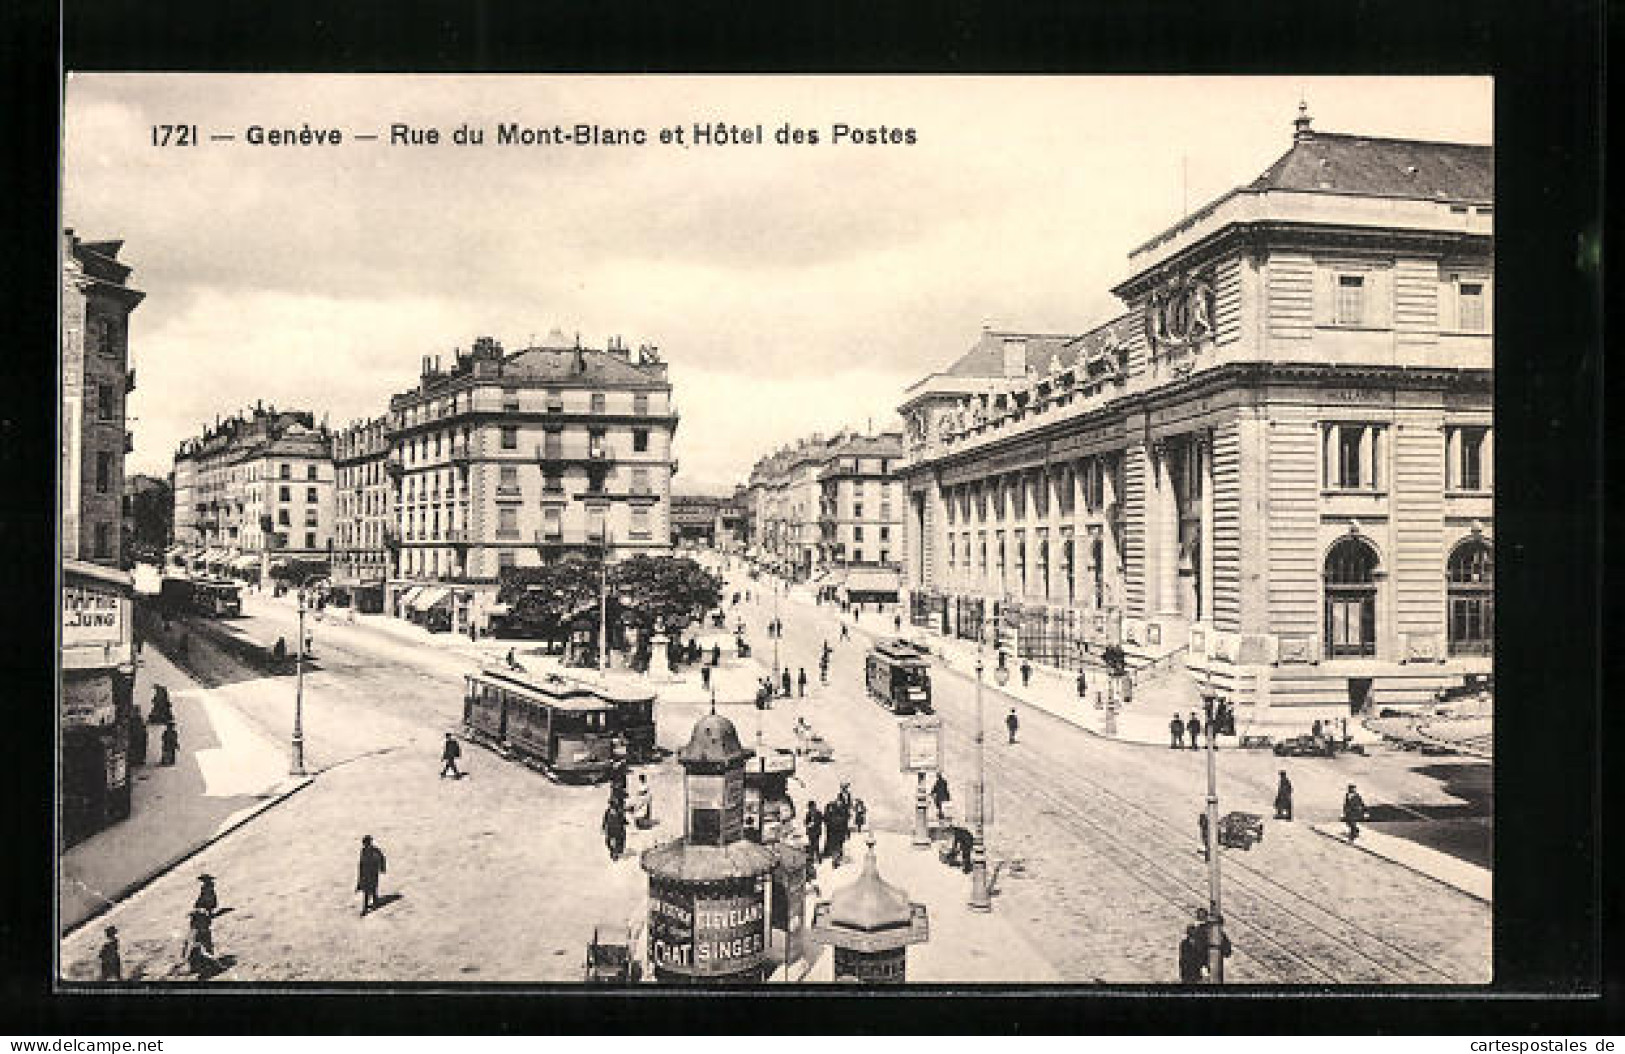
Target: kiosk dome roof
[{"x": 714, "y": 741}]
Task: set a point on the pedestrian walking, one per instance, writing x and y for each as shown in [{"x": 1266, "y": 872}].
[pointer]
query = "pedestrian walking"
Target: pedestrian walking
[
  {"x": 112, "y": 964},
  {"x": 846, "y": 633},
  {"x": 1176, "y": 733},
  {"x": 162, "y": 712},
  {"x": 814, "y": 823},
  {"x": 448, "y": 757},
  {"x": 860, "y": 814},
  {"x": 368, "y": 868},
  {"x": 1204, "y": 943},
  {"x": 207, "y": 899},
  {"x": 1353, "y": 811},
  {"x": 1012, "y": 723},
  {"x": 1026, "y": 673},
  {"x": 1190, "y": 958},
  {"x": 939, "y": 793},
  {"x": 641, "y": 804},
  {"x": 1193, "y": 729},
  {"x": 836, "y": 820},
  {"x": 198, "y": 952},
  {"x": 844, "y": 798},
  {"x": 961, "y": 848},
  {"x": 1083, "y": 688},
  {"x": 716, "y": 653},
  {"x": 1283, "y": 798},
  {"x": 897, "y": 623},
  {"x": 705, "y": 677},
  {"x": 614, "y": 828},
  {"x": 823, "y": 670},
  {"x": 785, "y": 681},
  {"x": 801, "y": 681},
  {"x": 169, "y": 744},
  {"x": 1201, "y": 825}
]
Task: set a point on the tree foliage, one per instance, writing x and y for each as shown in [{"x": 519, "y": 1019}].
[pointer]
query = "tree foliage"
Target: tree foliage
[{"x": 643, "y": 591}]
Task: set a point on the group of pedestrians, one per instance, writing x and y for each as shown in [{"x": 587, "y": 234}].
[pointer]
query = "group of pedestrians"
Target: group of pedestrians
[
  {"x": 829, "y": 828},
  {"x": 197, "y": 950},
  {"x": 623, "y": 810}
]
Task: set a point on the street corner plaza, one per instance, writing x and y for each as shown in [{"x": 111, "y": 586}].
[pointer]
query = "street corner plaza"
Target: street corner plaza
[{"x": 765, "y": 593}]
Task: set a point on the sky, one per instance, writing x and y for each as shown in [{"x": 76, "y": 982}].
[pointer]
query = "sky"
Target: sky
[{"x": 791, "y": 288}]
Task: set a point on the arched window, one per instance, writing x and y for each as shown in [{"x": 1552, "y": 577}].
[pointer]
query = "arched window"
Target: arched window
[
  {"x": 1351, "y": 599},
  {"x": 1471, "y": 578}
]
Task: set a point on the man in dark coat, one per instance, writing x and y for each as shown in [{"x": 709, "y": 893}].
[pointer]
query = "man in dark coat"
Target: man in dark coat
[
  {"x": 112, "y": 964},
  {"x": 801, "y": 681},
  {"x": 1012, "y": 723},
  {"x": 835, "y": 824},
  {"x": 1083, "y": 688},
  {"x": 814, "y": 822},
  {"x": 1193, "y": 729},
  {"x": 615, "y": 828},
  {"x": 448, "y": 757},
  {"x": 1283, "y": 798},
  {"x": 1204, "y": 940},
  {"x": 1353, "y": 811},
  {"x": 1190, "y": 958},
  {"x": 1026, "y": 673},
  {"x": 1201, "y": 824},
  {"x": 369, "y": 867},
  {"x": 785, "y": 681},
  {"x": 1176, "y": 733},
  {"x": 963, "y": 845},
  {"x": 170, "y": 742},
  {"x": 939, "y": 793}
]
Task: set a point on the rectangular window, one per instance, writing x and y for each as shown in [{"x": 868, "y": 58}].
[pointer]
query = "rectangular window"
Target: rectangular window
[
  {"x": 509, "y": 477},
  {"x": 104, "y": 402},
  {"x": 885, "y": 534},
  {"x": 1467, "y": 451},
  {"x": 640, "y": 481},
  {"x": 640, "y": 522},
  {"x": 310, "y": 472},
  {"x": 1350, "y": 305},
  {"x": 640, "y": 440},
  {"x": 595, "y": 444},
  {"x": 857, "y": 510},
  {"x": 104, "y": 471},
  {"x": 553, "y": 482},
  {"x": 510, "y": 437},
  {"x": 857, "y": 533},
  {"x": 552, "y": 522},
  {"x": 595, "y": 523},
  {"x": 284, "y": 494},
  {"x": 104, "y": 541},
  {"x": 310, "y": 539},
  {"x": 510, "y": 400},
  {"x": 310, "y": 494},
  {"x": 282, "y": 519},
  {"x": 286, "y": 471},
  {"x": 857, "y": 556},
  {"x": 885, "y": 556},
  {"x": 640, "y": 403},
  {"x": 505, "y": 558},
  {"x": 1470, "y": 306},
  {"x": 1353, "y": 456},
  {"x": 597, "y": 402},
  {"x": 508, "y": 523},
  {"x": 310, "y": 517}
]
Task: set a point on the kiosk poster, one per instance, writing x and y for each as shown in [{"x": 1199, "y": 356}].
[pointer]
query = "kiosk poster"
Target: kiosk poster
[
  {"x": 733, "y": 806},
  {"x": 730, "y": 934},
  {"x": 921, "y": 744},
  {"x": 91, "y": 616},
  {"x": 671, "y": 927}
]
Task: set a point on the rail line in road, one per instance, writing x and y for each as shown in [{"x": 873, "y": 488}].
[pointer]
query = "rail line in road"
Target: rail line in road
[{"x": 1139, "y": 842}]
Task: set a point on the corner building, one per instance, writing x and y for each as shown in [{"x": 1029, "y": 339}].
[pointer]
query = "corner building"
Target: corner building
[
  {"x": 515, "y": 459},
  {"x": 363, "y": 513},
  {"x": 1275, "y": 469}
]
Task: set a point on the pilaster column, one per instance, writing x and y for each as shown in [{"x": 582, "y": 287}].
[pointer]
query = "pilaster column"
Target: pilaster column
[
  {"x": 1204, "y": 447},
  {"x": 1167, "y": 516}
]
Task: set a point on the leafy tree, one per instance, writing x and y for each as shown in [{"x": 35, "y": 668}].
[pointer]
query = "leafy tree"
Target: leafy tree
[
  {"x": 673, "y": 591},
  {"x": 543, "y": 601}
]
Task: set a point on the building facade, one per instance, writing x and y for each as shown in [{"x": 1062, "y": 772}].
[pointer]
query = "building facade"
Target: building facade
[
  {"x": 516, "y": 459},
  {"x": 255, "y": 489},
  {"x": 1275, "y": 469},
  {"x": 364, "y": 513},
  {"x": 96, "y": 708},
  {"x": 96, "y": 378},
  {"x": 860, "y": 506}
]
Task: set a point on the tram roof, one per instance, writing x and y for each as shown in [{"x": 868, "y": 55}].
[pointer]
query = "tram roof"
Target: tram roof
[
  {"x": 900, "y": 650},
  {"x": 558, "y": 690}
]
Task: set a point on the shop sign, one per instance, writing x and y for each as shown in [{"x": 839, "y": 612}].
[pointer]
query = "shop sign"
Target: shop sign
[
  {"x": 883, "y": 967},
  {"x": 93, "y": 616},
  {"x": 920, "y": 739},
  {"x": 733, "y": 806}
]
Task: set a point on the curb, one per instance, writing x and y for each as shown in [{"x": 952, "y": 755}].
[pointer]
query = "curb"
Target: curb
[
  {"x": 130, "y": 889},
  {"x": 1321, "y": 830}
]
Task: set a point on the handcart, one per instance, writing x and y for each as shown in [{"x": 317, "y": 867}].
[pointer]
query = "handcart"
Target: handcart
[
  {"x": 1240, "y": 830},
  {"x": 609, "y": 955}
]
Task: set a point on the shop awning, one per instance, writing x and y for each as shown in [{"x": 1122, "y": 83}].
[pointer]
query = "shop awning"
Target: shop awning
[
  {"x": 246, "y": 563},
  {"x": 871, "y": 582},
  {"x": 410, "y": 595},
  {"x": 432, "y": 596}
]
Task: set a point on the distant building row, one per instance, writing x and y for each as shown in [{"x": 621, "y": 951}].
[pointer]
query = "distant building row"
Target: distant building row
[{"x": 503, "y": 459}]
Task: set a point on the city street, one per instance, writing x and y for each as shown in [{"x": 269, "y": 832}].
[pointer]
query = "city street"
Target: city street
[{"x": 501, "y": 875}]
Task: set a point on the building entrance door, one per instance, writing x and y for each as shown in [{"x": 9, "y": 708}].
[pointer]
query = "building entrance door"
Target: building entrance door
[{"x": 1359, "y": 694}]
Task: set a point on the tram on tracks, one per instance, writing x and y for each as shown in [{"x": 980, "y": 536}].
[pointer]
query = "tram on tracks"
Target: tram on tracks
[
  {"x": 898, "y": 676},
  {"x": 568, "y": 729}
]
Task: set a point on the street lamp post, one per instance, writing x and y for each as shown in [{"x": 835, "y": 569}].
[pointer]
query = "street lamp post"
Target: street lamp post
[
  {"x": 980, "y": 896},
  {"x": 1215, "y": 916},
  {"x": 296, "y": 764}
]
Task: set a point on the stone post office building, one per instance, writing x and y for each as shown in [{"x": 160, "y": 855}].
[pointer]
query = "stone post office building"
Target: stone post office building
[{"x": 1275, "y": 468}]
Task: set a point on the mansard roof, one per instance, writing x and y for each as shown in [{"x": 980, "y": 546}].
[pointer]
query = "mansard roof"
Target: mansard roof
[{"x": 1340, "y": 163}]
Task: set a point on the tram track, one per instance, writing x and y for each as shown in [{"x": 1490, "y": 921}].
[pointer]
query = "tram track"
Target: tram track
[{"x": 1274, "y": 917}]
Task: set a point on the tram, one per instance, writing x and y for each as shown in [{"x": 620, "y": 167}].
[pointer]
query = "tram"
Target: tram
[
  {"x": 565, "y": 728},
  {"x": 898, "y": 676}
]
